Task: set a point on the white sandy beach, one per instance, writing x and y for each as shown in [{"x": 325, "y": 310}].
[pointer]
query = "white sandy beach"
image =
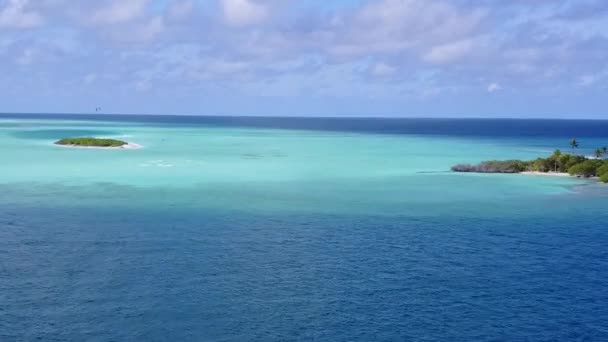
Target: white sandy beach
[
  {"x": 549, "y": 174},
  {"x": 555, "y": 174}
]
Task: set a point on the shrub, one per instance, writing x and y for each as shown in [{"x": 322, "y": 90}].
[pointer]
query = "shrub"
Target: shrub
[
  {"x": 602, "y": 170},
  {"x": 493, "y": 166},
  {"x": 91, "y": 142},
  {"x": 568, "y": 160},
  {"x": 575, "y": 165},
  {"x": 543, "y": 165},
  {"x": 587, "y": 168}
]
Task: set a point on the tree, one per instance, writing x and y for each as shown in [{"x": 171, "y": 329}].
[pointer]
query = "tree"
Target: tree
[
  {"x": 574, "y": 144},
  {"x": 598, "y": 153},
  {"x": 603, "y": 170},
  {"x": 604, "y": 150},
  {"x": 556, "y": 155},
  {"x": 586, "y": 169}
]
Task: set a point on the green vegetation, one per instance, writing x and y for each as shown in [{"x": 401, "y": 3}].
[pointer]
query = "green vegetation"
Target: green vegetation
[
  {"x": 575, "y": 165},
  {"x": 574, "y": 144},
  {"x": 598, "y": 153},
  {"x": 602, "y": 170},
  {"x": 588, "y": 168},
  {"x": 494, "y": 166},
  {"x": 91, "y": 142}
]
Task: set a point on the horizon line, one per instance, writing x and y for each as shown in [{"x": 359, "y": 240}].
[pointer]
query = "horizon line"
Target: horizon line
[{"x": 307, "y": 117}]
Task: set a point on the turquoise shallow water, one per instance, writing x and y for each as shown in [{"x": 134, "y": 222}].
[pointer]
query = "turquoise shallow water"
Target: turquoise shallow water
[
  {"x": 254, "y": 231},
  {"x": 271, "y": 169}
]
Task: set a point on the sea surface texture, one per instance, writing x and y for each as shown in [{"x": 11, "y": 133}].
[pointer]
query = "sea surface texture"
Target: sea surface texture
[{"x": 262, "y": 229}]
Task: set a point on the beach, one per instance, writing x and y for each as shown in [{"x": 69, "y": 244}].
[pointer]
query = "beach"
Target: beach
[{"x": 547, "y": 174}]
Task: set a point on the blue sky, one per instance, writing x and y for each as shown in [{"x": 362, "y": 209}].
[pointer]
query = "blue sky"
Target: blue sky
[{"x": 421, "y": 58}]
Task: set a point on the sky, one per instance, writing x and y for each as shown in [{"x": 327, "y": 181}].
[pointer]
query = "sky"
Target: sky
[{"x": 404, "y": 58}]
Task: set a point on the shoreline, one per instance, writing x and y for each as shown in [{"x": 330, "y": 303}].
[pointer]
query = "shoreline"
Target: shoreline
[
  {"x": 128, "y": 146},
  {"x": 557, "y": 174},
  {"x": 559, "y": 164},
  {"x": 547, "y": 174}
]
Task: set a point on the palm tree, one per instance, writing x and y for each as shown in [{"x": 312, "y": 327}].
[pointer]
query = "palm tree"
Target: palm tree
[
  {"x": 556, "y": 156},
  {"x": 599, "y": 153},
  {"x": 574, "y": 144},
  {"x": 604, "y": 150}
]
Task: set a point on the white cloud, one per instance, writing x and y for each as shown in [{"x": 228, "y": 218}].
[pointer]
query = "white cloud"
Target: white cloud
[
  {"x": 243, "y": 12},
  {"x": 226, "y": 67},
  {"x": 125, "y": 21},
  {"x": 90, "y": 78},
  {"x": 148, "y": 30},
  {"x": 143, "y": 31},
  {"x": 285, "y": 42},
  {"x": 494, "y": 87},
  {"x": 118, "y": 11},
  {"x": 398, "y": 26},
  {"x": 180, "y": 9},
  {"x": 26, "y": 57},
  {"x": 594, "y": 78},
  {"x": 16, "y": 15},
  {"x": 449, "y": 52},
  {"x": 382, "y": 70},
  {"x": 142, "y": 86},
  {"x": 587, "y": 80}
]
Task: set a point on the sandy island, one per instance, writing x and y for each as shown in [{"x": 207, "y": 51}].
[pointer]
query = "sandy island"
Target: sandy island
[{"x": 127, "y": 146}]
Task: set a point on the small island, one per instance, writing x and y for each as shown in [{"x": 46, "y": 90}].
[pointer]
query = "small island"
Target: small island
[
  {"x": 95, "y": 143},
  {"x": 557, "y": 164}
]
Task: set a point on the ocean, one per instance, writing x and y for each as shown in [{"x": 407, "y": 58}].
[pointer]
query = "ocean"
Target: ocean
[{"x": 297, "y": 229}]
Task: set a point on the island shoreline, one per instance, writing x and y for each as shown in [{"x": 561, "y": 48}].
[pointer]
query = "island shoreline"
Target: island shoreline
[
  {"x": 557, "y": 165},
  {"x": 127, "y": 146}
]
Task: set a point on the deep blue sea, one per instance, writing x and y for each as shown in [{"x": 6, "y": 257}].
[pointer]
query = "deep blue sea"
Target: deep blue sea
[{"x": 293, "y": 229}]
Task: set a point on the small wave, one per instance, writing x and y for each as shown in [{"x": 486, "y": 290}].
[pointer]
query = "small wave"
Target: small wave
[{"x": 156, "y": 163}]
